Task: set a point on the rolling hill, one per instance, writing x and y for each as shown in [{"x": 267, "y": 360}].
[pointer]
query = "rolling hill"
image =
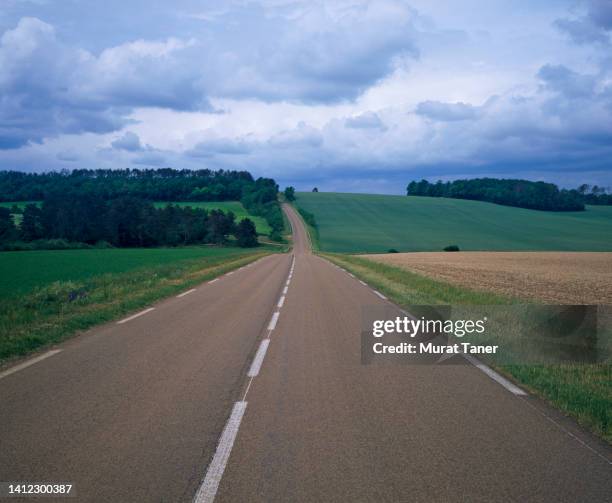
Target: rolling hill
[
  {"x": 234, "y": 206},
  {"x": 367, "y": 223}
]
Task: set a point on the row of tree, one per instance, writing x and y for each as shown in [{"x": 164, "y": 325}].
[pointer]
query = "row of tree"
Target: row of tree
[
  {"x": 261, "y": 199},
  {"x": 520, "y": 193},
  {"x": 123, "y": 222},
  {"x": 595, "y": 194}
]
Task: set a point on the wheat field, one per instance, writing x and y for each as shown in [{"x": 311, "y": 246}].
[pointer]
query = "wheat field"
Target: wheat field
[{"x": 555, "y": 277}]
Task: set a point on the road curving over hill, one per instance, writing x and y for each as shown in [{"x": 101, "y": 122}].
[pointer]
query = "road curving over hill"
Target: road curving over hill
[{"x": 251, "y": 388}]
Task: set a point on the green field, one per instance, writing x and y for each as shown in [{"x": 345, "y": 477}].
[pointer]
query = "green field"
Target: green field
[
  {"x": 21, "y": 272},
  {"x": 234, "y": 206},
  {"x": 46, "y": 296},
  {"x": 355, "y": 223}
]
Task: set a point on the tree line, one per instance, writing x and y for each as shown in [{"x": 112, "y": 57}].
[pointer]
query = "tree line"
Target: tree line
[
  {"x": 595, "y": 195},
  {"x": 508, "y": 192},
  {"x": 123, "y": 222},
  {"x": 164, "y": 184},
  {"x": 258, "y": 196}
]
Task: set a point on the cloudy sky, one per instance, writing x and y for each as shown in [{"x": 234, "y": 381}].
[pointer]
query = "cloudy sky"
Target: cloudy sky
[{"x": 349, "y": 95}]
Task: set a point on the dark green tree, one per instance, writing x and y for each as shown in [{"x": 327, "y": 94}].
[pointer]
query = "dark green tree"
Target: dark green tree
[
  {"x": 8, "y": 232},
  {"x": 290, "y": 194},
  {"x": 31, "y": 224},
  {"x": 245, "y": 233},
  {"x": 219, "y": 226}
]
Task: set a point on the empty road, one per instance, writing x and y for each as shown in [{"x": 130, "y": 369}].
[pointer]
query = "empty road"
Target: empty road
[{"x": 250, "y": 388}]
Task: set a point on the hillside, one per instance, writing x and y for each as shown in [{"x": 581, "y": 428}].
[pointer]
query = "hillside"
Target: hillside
[
  {"x": 353, "y": 223},
  {"x": 235, "y": 207}
]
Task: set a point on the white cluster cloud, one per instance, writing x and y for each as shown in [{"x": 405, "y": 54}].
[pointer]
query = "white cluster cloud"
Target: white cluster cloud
[
  {"x": 48, "y": 88},
  {"x": 303, "y": 90}
]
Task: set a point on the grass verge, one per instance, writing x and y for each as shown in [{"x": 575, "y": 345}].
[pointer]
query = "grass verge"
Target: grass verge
[
  {"x": 581, "y": 390},
  {"x": 52, "y": 313},
  {"x": 312, "y": 229}
]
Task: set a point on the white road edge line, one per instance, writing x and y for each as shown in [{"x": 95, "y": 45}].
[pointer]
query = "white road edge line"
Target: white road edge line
[
  {"x": 281, "y": 301},
  {"x": 569, "y": 433},
  {"x": 208, "y": 490},
  {"x": 259, "y": 357},
  {"x": 185, "y": 293},
  {"x": 363, "y": 283},
  {"x": 130, "y": 318},
  {"x": 495, "y": 376},
  {"x": 379, "y": 294},
  {"x": 285, "y": 290},
  {"x": 273, "y": 321},
  {"x": 229, "y": 273},
  {"x": 26, "y": 364},
  {"x": 213, "y": 280}
]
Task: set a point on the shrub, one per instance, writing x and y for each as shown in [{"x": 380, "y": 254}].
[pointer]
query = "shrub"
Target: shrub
[
  {"x": 43, "y": 244},
  {"x": 451, "y": 248},
  {"x": 276, "y": 236},
  {"x": 392, "y": 250}
]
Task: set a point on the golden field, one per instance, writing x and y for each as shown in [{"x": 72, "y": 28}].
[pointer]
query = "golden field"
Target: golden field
[{"x": 554, "y": 277}]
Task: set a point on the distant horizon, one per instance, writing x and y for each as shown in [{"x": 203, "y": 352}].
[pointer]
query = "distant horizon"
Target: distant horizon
[{"x": 337, "y": 185}]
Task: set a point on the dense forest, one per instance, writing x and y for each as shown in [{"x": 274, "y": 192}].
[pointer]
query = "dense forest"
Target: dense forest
[
  {"x": 520, "y": 193},
  {"x": 86, "y": 206},
  {"x": 123, "y": 222},
  {"x": 165, "y": 184}
]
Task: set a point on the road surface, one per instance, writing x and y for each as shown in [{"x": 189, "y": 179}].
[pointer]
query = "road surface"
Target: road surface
[{"x": 250, "y": 388}]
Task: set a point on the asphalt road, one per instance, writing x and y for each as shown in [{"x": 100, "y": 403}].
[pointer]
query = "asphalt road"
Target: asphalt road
[{"x": 251, "y": 388}]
